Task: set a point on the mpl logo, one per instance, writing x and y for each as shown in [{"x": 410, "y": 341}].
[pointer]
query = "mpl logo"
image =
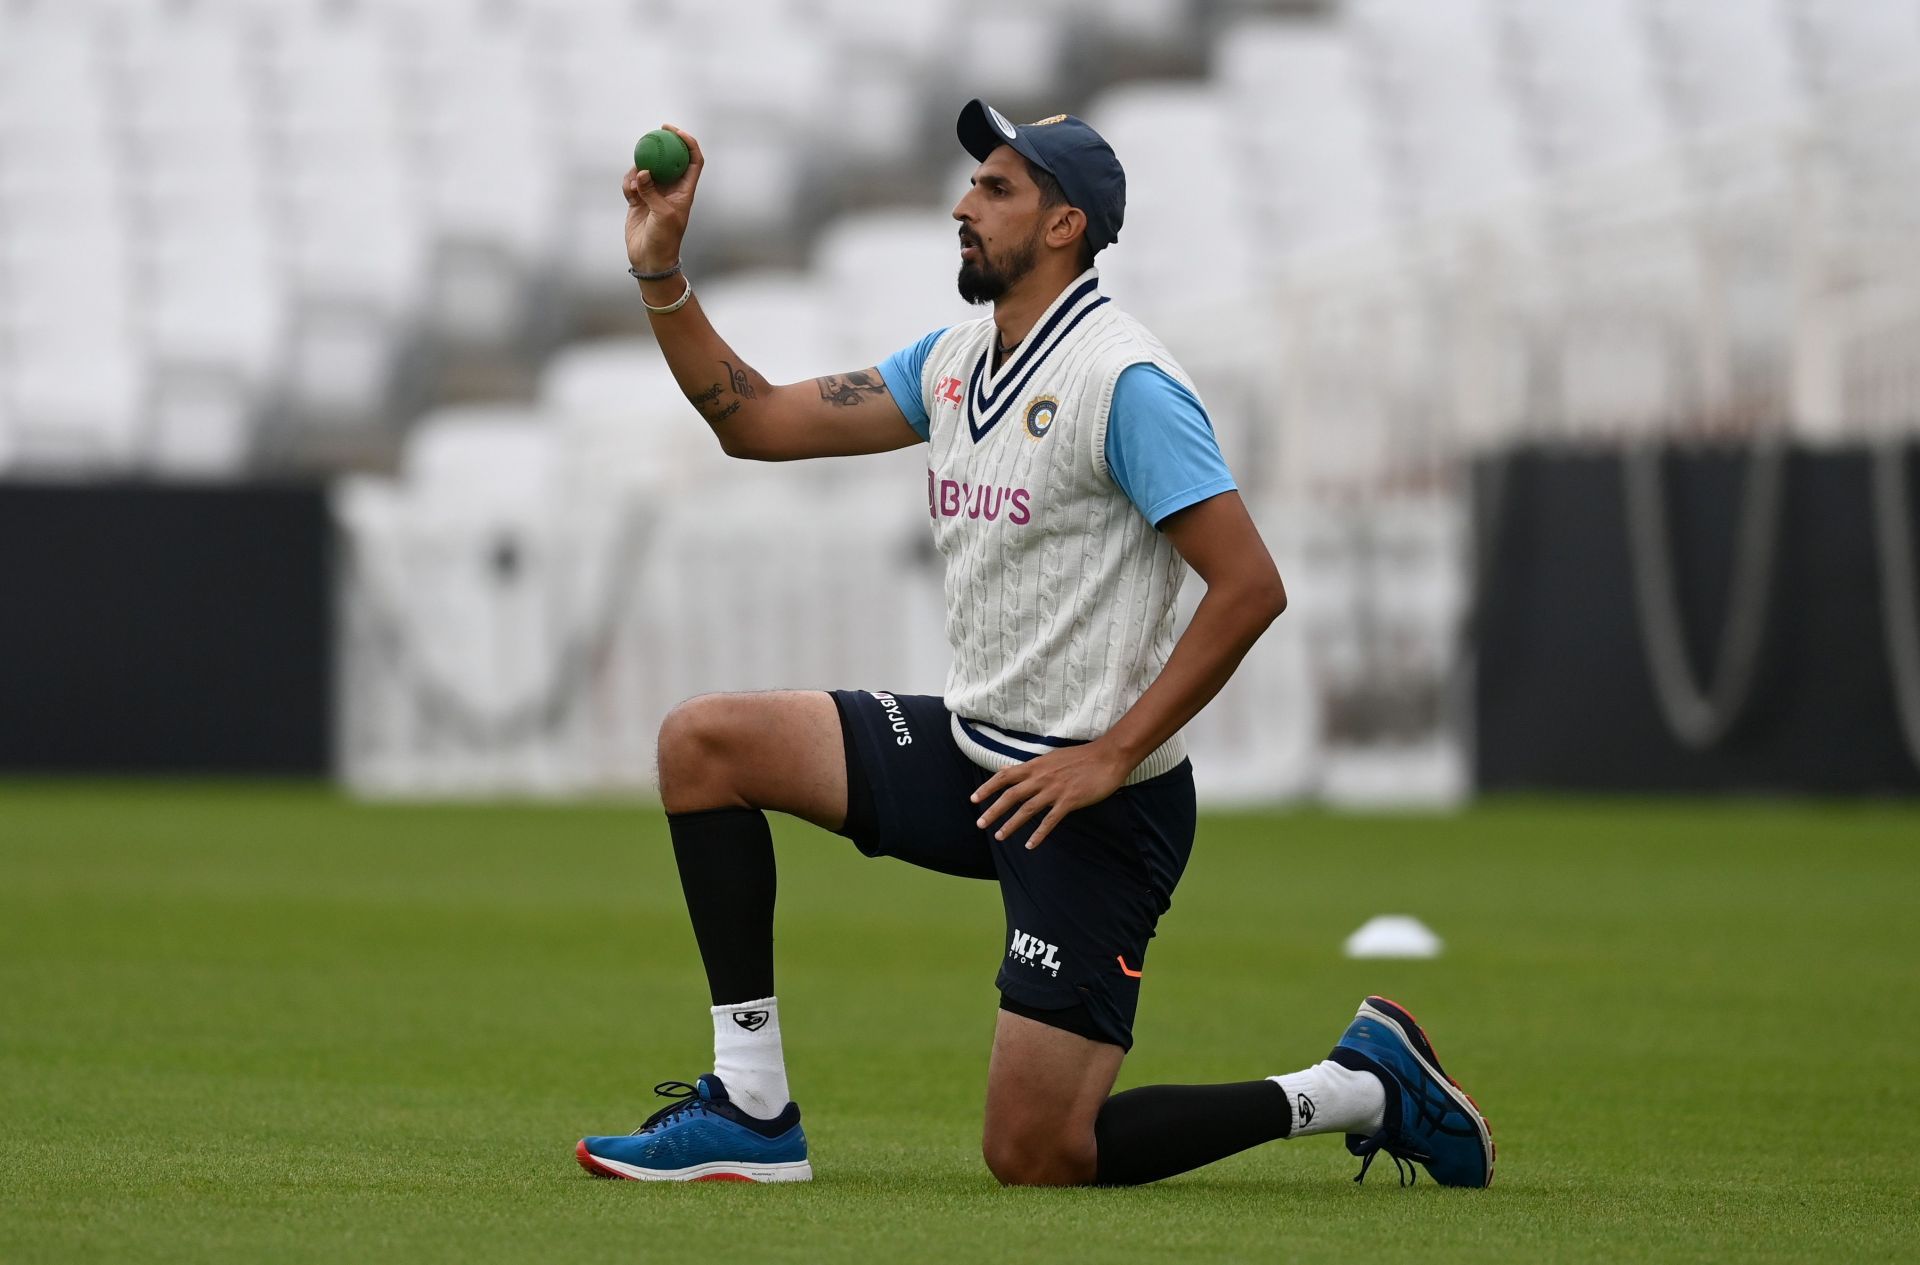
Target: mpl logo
[
  {"x": 948, "y": 391},
  {"x": 1035, "y": 952}
]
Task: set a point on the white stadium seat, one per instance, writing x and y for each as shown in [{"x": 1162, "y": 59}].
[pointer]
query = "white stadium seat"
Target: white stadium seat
[
  {"x": 482, "y": 454},
  {"x": 1313, "y": 171},
  {"x": 1157, "y": 269},
  {"x": 603, "y": 376},
  {"x": 918, "y": 35},
  {"x": 751, "y": 185},
  {"x": 8, "y": 441},
  {"x": 887, "y": 278},
  {"x": 601, "y": 104},
  {"x": 1446, "y": 114},
  {"x": 1007, "y": 51},
  {"x": 51, "y": 79},
  {"x": 780, "y": 322},
  {"x": 1849, "y": 45},
  {"x": 78, "y": 409},
  {"x": 355, "y": 230},
  {"x": 622, "y": 415},
  {"x": 1145, "y": 22},
  {"x": 1724, "y": 65},
  {"x": 1586, "y": 82},
  {"x": 479, "y": 138}
]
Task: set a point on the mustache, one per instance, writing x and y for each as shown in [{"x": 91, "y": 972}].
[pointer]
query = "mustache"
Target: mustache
[{"x": 967, "y": 238}]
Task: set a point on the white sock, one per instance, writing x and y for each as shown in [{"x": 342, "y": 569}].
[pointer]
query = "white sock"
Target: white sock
[
  {"x": 747, "y": 1056},
  {"x": 1328, "y": 1098}
]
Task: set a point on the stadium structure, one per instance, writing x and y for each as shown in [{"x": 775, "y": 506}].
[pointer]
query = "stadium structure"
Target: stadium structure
[{"x": 1565, "y": 352}]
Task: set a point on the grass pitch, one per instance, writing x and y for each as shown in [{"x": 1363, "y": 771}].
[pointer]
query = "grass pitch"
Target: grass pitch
[{"x": 259, "y": 1024}]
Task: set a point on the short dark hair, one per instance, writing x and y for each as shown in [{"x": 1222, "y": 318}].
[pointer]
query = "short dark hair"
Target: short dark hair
[{"x": 1052, "y": 195}]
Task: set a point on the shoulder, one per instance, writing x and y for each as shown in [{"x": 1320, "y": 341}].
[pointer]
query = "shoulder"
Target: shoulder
[
  {"x": 1124, "y": 342},
  {"x": 965, "y": 334},
  {"x": 1141, "y": 344}
]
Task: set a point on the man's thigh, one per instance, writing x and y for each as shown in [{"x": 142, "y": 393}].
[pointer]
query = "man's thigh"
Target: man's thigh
[
  {"x": 908, "y": 786},
  {"x": 778, "y": 749}
]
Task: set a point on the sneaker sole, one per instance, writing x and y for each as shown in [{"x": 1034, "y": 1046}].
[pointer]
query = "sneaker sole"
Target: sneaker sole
[
  {"x": 1389, "y": 1011},
  {"x": 720, "y": 1171}
]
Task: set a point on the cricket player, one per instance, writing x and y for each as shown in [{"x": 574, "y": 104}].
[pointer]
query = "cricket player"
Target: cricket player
[{"x": 1073, "y": 479}]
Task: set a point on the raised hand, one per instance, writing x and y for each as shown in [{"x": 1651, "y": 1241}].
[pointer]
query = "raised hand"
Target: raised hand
[{"x": 657, "y": 214}]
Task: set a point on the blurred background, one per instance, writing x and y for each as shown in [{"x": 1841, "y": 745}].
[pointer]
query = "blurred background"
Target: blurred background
[{"x": 1565, "y": 351}]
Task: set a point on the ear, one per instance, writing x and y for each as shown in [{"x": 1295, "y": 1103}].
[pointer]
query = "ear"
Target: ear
[{"x": 1068, "y": 226}]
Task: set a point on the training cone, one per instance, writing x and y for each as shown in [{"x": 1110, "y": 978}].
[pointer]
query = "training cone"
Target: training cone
[{"x": 1394, "y": 936}]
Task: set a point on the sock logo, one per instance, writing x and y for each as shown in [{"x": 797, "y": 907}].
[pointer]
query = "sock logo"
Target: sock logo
[
  {"x": 1303, "y": 1112},
  {"x": 1033, "y": 951},
  {"x": 751, "y": 1020}
]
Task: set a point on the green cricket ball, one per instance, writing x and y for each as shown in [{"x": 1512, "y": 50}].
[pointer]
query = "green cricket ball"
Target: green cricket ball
[{"x": 663, "y": 154}]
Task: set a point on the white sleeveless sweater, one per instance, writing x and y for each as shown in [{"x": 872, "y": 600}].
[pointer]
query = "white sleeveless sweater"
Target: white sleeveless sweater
[{"x": 1060, "y": 594}]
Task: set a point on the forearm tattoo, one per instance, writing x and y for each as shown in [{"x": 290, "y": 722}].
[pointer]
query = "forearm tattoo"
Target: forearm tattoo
[
  {"x": 737, "y": 378},
  {"x": 848, "y": 389},
  {"x": 739, "y": 383}
]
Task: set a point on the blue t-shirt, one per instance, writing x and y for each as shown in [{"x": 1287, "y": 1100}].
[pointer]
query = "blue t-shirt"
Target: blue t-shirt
[{"x": 1160, "y": 444}]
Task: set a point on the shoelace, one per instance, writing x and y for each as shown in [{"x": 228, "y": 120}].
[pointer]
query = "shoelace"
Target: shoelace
[
  {"x": 1376, "y": 1146},
  {"x": 1430, "y": 1105},
  {"x": 686, "y": 1099}
]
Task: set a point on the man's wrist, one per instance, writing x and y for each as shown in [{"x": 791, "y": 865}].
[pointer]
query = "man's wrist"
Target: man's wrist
[
  {"x": 1116, "y": 747},
  {"x": 655, "y": 259}
]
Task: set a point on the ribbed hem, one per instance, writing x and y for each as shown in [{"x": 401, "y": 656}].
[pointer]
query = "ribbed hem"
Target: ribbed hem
[{"x": 1017, "y": 749}]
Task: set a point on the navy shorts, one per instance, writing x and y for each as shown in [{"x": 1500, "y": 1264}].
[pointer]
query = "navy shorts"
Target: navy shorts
[{"x": 1080, "y": 908}]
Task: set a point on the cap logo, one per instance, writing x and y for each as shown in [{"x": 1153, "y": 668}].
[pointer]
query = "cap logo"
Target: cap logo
[
  {"x": 1000, "y": 121},
  {"x": 1051, "y": 118}
]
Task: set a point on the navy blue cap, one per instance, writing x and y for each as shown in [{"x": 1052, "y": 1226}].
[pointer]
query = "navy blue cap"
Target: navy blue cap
[{"x": 1065, "y": 147}]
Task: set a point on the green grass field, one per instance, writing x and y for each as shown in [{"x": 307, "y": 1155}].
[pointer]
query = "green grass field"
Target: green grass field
[{"x": 257, "y": 1024}]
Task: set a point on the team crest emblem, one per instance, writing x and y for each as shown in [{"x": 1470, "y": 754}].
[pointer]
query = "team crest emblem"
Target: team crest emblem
[{"x": 1040, "y": 415}]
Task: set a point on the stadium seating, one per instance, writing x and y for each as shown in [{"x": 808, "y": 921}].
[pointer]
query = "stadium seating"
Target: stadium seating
[
  {"x": 326, "y": 186},
  {"x": 1385, "y": 236}
]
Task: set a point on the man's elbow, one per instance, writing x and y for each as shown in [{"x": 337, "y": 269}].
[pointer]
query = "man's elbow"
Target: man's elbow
[
  {"x": 744, "y": 445},
  {"x": 1270, "y": 599}
]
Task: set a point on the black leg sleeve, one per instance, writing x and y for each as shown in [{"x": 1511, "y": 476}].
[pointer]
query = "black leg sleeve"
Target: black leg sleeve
[
  {"x": 725, "y": 859},
  {"x": 1156, "y": 1131}
]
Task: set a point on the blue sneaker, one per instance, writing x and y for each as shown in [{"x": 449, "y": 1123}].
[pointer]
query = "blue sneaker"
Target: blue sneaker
[
  {"x": 1429, "y": 1119},
  {"x": 702, "y": 1137}
]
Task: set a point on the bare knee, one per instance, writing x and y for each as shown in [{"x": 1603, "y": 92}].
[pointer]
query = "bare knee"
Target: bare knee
[
  {"x": 1030, "y": 1157},
  {"x": 697, "y": 754}
]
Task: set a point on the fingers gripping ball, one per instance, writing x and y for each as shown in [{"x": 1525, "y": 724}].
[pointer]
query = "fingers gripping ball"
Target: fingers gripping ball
[{"x": 663, "y": 154}]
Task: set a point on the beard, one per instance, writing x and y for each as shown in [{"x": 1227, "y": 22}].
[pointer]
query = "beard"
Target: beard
[{"x": 983, "y": 281}]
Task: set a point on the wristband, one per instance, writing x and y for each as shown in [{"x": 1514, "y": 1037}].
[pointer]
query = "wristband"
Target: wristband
[
  {"x": 653, "y": 276},
  {"x": 674, "y": 306}
]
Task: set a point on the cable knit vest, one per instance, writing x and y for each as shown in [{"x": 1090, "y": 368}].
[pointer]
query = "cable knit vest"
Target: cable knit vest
[{"x": 1060, "y": 594}]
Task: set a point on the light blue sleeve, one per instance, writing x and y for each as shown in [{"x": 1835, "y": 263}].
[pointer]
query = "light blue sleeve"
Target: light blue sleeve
[
  {"x": 901, "y": 373},
  {"x": 1160, "y": 444}
]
